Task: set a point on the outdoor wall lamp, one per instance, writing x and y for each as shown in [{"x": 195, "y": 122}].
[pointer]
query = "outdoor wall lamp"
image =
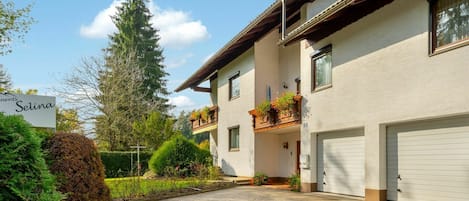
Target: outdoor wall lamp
[{"x": 285, "y": 145}]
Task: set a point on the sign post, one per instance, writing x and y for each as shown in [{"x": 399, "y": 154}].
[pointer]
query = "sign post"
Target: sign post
[{"x": 39, "y": 111}]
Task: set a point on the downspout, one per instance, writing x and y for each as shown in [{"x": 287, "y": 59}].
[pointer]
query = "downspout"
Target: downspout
[{"x": 284, "y": 17}]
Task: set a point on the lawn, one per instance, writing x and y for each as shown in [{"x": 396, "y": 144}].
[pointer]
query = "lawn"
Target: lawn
[{"x": 132, "y": 187}]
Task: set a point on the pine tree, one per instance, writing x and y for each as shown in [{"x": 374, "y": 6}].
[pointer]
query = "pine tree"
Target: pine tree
[{"x": 136, "y": 35}]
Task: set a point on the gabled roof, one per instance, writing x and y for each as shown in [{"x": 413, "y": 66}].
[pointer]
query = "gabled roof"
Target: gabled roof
[{"x": 261, "y": 25}]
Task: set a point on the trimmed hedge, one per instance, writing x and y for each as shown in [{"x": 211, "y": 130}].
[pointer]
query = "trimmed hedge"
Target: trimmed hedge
[
  {"x": 179, "y": 157},
  {"x": 23, "y": 170},
  {"x": 77, "y": 164},
  {"x": 117, "y": 164}
]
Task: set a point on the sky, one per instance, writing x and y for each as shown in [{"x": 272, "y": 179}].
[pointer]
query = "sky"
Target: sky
[{"x": 67, "y": 31}]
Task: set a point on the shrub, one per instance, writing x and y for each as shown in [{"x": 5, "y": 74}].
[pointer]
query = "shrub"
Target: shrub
[
  {"x": 204, "y": 145},
  {"x": 295, "y": 182},
  {"x": 76, "y": 162},
  {"x": 177, "y": 157},
  {"x": 23, "y": 170},
  {"x": 260, "y": 178},
  {"x": 117, "y": 164}
]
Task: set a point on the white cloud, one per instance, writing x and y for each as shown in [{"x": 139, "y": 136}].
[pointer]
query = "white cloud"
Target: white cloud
[
  {"x": 181, "y": 102},
  {"x": 180, "y": 61},
  {"x": 176, "y": 28},
  {"x": 102, "y": 24}
]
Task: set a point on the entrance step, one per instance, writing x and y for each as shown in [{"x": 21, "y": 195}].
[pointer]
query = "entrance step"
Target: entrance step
[{"x": 239, "y": 180}]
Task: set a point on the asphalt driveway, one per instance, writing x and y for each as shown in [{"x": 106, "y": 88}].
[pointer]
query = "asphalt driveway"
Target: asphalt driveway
[{"x": 252, "y": 193}]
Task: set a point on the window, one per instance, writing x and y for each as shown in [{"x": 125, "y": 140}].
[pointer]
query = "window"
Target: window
[
  {"x": 234, "y": 138},
  {"x": 322, "y": 68},
  {"x": 450, "y": 23},
  {"x": 234, "y": 86}
]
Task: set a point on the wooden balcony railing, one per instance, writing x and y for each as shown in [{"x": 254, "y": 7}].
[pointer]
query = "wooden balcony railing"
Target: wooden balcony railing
[
  {"x": 277, "y": 119},
  {"x": 201, "y": 124}
]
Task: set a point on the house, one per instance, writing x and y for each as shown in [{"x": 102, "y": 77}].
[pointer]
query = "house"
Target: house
[{"x": 382, "y": 90}]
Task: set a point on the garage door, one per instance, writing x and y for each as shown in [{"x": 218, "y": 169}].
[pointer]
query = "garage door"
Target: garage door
[
  {"x": 341, "y": 162},
  {"x": 429, "y": 161}
]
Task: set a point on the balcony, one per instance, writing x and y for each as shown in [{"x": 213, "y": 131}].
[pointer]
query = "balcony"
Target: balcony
[
  {"x": 204, "y": 120},
  {"x": 277, "y": 119}
]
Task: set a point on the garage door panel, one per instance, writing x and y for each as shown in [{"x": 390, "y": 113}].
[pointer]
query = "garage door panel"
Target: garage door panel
[
  {"x": 341, "y": 158},
  {"x": 431, "y": 158}
]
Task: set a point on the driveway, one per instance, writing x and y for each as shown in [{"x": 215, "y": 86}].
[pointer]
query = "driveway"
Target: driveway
[{"x": 242, "y": 193}]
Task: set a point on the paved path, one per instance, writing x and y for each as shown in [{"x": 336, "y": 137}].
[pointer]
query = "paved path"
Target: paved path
[{"x": 262, "y": 193}]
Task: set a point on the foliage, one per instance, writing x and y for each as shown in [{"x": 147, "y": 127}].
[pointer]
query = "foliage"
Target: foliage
[
  {"x": 195, "y": 115},
  {"x": 76, "y": 161},
  {"x": 27, "y": 92},
  {"x": 204, "y": 113},
  {"x": 67, "y": 121},
  {"x": 285, "y": 102},
  {"x": 5, "y": 80},
  {"x": 132, "y": 187},
  {"x": 263, "y": 108},
  {"x": 135, "y": 35},
  {"x": 260, "y": 178},
  {"x": 183, "y": 125},
  {"x": 118, "y": 164},
  {"x": 178, "y": 157},
  {"x": 23, "y": 171},
  {"x": 205, "y": 145},
  {"x": 295, "y": 182},
  {"x": 153, "y": 130},
  {"x": 14, "y": 24}
]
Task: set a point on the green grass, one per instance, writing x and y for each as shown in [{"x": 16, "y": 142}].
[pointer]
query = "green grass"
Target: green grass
[{"x": 130, "y": 187}]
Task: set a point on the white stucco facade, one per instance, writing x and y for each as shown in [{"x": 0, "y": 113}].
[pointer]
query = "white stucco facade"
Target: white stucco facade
[{"x": 382, "y": 75}]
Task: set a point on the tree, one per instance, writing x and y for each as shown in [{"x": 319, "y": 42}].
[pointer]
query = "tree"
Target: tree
[
  {"x": 183, "y": 124},
  {"x": 5, "y": 80},
  {"x": 153, "y": 130},
  {"x": 14, "y": 24},
  {"x": 67, "y": 121},
  {"x": 135, "y": 35}
]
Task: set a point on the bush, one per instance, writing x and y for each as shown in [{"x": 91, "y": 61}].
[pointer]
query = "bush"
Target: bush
[
  {"x": 260, "y": 178},
  {"x": 117, "y": 164},
  {"x": 179, "y": 157},
  {"x": 23, "y": 170},
  {"x": 204, "y": 145},
  {"x": 78, "y": 166}
]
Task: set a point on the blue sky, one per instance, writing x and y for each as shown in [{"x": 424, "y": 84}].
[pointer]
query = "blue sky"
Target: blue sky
[{"x": 67, "y": 31}]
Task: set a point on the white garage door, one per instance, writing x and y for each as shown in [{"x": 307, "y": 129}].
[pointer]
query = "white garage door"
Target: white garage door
[
  {"x": 429, "y": 161},
  {"x": 341, "y": 162}
]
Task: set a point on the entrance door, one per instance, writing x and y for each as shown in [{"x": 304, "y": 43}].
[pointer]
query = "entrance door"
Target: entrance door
[{"x": 298, "y": 148}]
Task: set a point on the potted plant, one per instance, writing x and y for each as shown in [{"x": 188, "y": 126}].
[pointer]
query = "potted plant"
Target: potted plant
[
  {"x": 204, "y": 113},
  {"x": 285, "y": 103},
  {"x": 195, "y": 115},
  {"x": 262, "y": 110}
]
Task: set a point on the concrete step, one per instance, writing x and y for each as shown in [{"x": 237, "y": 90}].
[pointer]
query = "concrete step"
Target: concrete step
[{"x": 238, "y": 180}]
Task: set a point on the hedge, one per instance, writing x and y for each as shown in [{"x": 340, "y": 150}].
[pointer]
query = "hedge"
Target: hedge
[
  {"x": 117, "y": 164},
  {"x": 76, "y": 162}
]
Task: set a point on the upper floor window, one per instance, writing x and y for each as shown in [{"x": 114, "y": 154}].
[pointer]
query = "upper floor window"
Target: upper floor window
[
  {"x": 234, "y": 138},
  {"x": 450, "y": 23},
  {"x": 322, "y": 68},
  {"x": 234, "y": 86}
]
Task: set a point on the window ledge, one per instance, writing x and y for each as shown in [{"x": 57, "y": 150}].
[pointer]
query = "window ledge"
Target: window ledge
[
  {"x": 450, "y": 47},
  {"x": 234, "y": 98},
  {"x": 234, "y": 150},
  {"x": 317, "y": 89}
]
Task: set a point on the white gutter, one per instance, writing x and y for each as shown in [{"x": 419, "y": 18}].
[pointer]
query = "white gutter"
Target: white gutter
[{"x": 284, "y": 16}]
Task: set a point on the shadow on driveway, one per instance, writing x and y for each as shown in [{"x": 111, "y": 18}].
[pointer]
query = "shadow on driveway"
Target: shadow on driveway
[{"x": 258, "y": 193}]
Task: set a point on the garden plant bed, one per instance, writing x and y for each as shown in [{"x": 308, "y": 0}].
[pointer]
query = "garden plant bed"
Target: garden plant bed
[{"x": 125, "y": 189}]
